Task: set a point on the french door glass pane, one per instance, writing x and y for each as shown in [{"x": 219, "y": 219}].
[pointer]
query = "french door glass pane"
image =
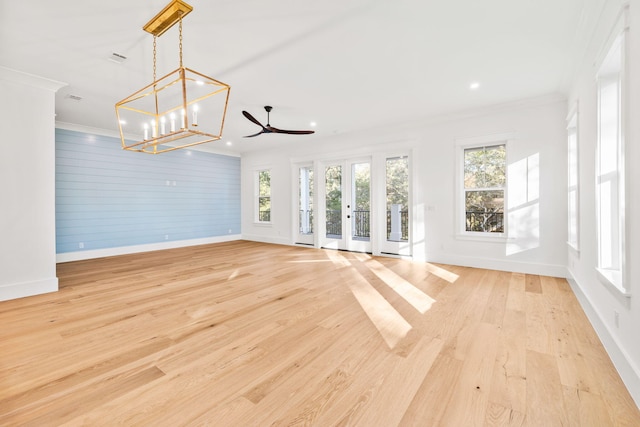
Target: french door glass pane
[
  {"x": 397, "y": 190},
  {"x": 360, "y": 218},
  {"x": 333, "y": 201}
]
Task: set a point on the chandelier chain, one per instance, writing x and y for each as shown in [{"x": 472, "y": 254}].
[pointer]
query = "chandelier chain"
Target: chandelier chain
[
  {"x": 180, "y": 45},
  {"x": 154, "y": 58}
]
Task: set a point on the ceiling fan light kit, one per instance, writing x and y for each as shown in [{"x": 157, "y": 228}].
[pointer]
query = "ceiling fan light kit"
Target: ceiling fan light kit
[{"x": 179, "y": 110}]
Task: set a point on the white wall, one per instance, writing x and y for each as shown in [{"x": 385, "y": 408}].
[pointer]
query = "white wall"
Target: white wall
[
  {"x": 599, "y": 301},
  {"x": 537, "y": 231},
  {"x": 27, "y": 173}
]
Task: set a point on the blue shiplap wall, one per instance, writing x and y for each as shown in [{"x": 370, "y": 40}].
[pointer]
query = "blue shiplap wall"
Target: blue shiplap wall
[{"x": 107, "y": 197}]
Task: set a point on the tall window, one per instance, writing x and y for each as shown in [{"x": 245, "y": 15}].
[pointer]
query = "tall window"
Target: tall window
[
  {"x": 305, "y": 200},
  {"x": 610, "y": 165},
  {"x": 263, "y": 195},
  {"x": 572, "y": 180},
  {"x": 485, "y": 181}
]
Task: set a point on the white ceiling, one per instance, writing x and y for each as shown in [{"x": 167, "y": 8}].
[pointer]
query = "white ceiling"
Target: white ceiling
[{"x": 346, "y": 64}]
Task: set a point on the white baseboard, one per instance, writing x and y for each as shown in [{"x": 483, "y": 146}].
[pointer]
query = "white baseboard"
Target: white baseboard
[
  {"x": 500, "y": 264},
  {"x": 267, "y": 239},
  {"x": 625, "y": 366},
  {"x": 125, "y": 250},
  {"x": 27, "y": 289}
]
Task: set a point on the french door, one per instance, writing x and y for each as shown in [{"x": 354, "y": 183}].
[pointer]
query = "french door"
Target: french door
[
  {"x": 360, "y": 204},
  {"x": 345, "y": 205},
  {"x": 395, "y": 204}
]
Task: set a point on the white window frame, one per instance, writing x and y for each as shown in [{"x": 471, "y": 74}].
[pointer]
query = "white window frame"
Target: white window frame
[
  {"x": 256, "y": 192},
  {"x": 610, "y": 211},
  {"x": 573, "y": 181},
  {"x": 460, "y": 224}
]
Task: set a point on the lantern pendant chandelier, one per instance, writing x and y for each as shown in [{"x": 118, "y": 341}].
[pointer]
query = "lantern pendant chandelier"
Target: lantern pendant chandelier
[{"x": 182, "y": 109}]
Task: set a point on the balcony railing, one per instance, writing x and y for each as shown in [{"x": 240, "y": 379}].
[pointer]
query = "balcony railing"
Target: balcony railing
[
  {"x": 362, "y": 223},
  {"x": 487, "y": 222}
]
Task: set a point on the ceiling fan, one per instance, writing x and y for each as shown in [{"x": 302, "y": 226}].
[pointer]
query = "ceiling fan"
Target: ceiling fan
[{"x": 270, "y": 129}]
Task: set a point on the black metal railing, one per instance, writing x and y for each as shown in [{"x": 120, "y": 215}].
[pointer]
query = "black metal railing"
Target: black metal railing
[
  {"x": 361, "y": 224},
  {"x": 487, "y": 222},
  {"x": 404, "y": 225},
  {"x": 334, "y": 222},
  {"x": 307, "y": 221}
]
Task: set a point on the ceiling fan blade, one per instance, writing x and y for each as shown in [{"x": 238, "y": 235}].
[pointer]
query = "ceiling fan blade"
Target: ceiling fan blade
[
  {"x": 252, "y": 119},
  {"x": 256, "y": 134},
  {"x": 290, "y": 132}
]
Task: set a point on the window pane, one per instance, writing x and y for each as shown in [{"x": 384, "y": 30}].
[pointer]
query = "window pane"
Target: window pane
[
  {"x": 360, "y": 218},
  {"x": 397, "y": 189},
  {"x": 264, "y": 196},
  {"x": 305, "y": 198},
  {"x": 265, "y": 183},
  {"x": 333, "y": 200},
  {"x": 484, "y": 211},
  {"x": 485, "y": 167}
]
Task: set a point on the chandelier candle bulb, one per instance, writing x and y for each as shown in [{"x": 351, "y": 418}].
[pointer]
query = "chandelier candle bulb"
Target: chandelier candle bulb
[
  {"x": 195, "y": 115},
  {"x": 154, "y": 129},
  {"x": 162, "y": 125},
  {"x": 146, "y": 131},
  {"x": 173, "y": 122},
  {"x": 183, "y": 125}
]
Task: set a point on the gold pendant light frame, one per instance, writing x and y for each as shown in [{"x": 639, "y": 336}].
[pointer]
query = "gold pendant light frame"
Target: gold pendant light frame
[{"x": 179, "y": 110}]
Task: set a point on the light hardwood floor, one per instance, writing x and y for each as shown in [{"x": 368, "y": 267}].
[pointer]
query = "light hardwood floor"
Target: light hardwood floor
[{"x": 250, "y": 334}]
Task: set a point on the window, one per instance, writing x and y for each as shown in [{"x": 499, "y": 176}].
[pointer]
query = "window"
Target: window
[
  {"x": 305, "y": 200},
  {"x": 572, "y": 181},
  {"x": 610, "y": 185},
  {"x": 263, "y": 195},
  {"x": 484, "y": 183}
]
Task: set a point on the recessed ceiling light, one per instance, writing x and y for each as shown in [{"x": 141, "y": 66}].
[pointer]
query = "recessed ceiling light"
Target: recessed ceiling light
[
  {"x": 313, "y": 124},
  {"x": 229, "y": 143},
  {"x": 474, "y": 85},
  {"x": 123, "y": 122}
]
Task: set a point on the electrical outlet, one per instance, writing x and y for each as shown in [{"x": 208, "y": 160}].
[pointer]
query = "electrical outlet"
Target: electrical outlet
[
  {"x": 229, "y": 231},
  {"x": 81, "y": 245},
  {"x": 166, "y": 237}
]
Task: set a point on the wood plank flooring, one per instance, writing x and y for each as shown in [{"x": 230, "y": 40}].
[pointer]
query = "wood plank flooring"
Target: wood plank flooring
[{"x": 251, "y": 334}]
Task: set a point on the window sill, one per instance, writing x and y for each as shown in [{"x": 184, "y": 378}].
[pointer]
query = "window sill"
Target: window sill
[
  {"x": 262, "y": 224},
  {"x": 613, "y": 280},
  {"x": 484, "y": 237}
]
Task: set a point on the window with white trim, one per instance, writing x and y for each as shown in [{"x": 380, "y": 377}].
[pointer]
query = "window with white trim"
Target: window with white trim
[
  {"x": 484, "y": 183},
  {"x": 610, "y": 185},
  {"x": 263, "y": 196},
  {"x": 573, "y": 196}
]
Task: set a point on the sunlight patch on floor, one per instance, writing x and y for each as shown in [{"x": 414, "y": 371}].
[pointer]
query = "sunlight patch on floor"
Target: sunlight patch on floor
[
  {"x": 414, "y": 296},
  {"x": 338, "y": 259},
  {"x": 391, "y": 325},
  {"x": 442, "y": 273}
]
